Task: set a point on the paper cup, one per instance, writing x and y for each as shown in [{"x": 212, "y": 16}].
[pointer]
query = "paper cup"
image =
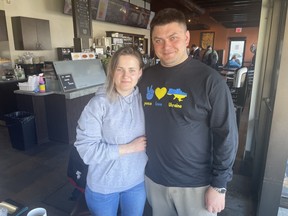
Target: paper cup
[
  {"x": 3, "y": 211},
  {"x": 37, "y": 212}
]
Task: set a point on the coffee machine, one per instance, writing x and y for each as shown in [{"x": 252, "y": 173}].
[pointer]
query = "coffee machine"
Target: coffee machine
[{"x": 64, "y": 53}]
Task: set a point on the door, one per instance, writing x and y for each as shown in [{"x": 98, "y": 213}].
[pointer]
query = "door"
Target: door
[
  {"x": 237, "y": 47},
  {"x": 268, "y": 110}
]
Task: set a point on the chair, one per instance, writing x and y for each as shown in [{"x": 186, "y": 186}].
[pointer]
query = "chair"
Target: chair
[
  {"x": 239, "y": 91},
  {"x": 240, "y": 77},
  {"x": 250, "y": 78}
]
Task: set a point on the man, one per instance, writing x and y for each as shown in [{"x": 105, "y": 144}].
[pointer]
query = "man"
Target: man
[
  {"x": 210, "y": 57},
  {"x": 191, "y": 128},
  {"x": 195, "y": 52}
]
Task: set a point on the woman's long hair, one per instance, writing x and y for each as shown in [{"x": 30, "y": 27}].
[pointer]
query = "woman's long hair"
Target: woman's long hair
[{"x": 112, "y": 65}]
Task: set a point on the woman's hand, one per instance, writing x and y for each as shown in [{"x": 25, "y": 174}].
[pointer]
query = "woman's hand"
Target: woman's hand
[{"x": 137, "y": 145}]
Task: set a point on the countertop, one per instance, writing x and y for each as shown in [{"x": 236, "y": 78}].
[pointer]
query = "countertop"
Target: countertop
[
  {"x": 68, "y": 95},
  {"x": 3, "y": 81}
]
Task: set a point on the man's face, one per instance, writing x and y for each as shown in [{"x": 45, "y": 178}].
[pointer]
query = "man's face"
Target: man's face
[{"x": 170, "y": 42}]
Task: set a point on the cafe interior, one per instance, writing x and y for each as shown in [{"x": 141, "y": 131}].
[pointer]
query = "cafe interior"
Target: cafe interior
[{"x": 51, "y": 39}]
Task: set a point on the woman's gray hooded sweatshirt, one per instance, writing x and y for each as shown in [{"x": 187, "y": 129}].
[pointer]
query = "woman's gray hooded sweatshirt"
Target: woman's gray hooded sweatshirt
[{"x": 102, "y": 127}]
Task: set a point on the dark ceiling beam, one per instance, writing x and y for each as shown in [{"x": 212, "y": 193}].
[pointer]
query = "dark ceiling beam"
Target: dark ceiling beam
[
  {"x": 229, "y": 3},
  {"x": 240, "y": 24},
  {"x": 229, "y": 13},
  {"x": 157, "y": 5},
  {"x": 199, "y": 26},
  {"x": 235, "y": 16},
  {"x": 191, "y": 6}
]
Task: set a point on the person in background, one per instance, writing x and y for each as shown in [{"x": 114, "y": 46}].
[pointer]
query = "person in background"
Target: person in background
[
  {"x": 254, "y": 58},
  {"x": 111, "y": 140},
  {"x": 195, "y": 52},
  {"x": 233, "y": 62},
  {"x": 210, "y": 57},
  {"x": 108, "y": 52},
  {"x": 190, "y": 126}
]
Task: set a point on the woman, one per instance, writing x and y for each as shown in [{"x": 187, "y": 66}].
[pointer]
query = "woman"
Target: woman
[
  {"x": 111, "y": 140},
  {"x": 234, "y": 62}
]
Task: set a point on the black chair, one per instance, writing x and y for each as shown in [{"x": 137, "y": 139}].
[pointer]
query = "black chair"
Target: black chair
[
  {"x": 250, "y": 78},
  {"x": 238, "y": 88}
]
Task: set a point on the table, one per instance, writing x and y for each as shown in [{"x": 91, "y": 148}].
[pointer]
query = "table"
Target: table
[{"x": 228, "y": 71}]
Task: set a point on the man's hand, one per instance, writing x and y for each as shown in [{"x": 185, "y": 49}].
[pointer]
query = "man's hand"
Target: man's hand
[{"x": 214, "y": 201}]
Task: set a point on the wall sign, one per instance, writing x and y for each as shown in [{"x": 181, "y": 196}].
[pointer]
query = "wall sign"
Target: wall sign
[
  {"x": 67, "y": 82},
  {"x": 206, "y": 39}
]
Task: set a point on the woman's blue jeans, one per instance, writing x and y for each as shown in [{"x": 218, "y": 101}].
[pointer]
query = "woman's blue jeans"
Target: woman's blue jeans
[{"x": 131, "y": 202}]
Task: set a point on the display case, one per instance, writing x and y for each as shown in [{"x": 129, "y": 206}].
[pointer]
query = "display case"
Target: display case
[
  {"x": 120, "y": 39},
  {"x": 32, "y": 69}
]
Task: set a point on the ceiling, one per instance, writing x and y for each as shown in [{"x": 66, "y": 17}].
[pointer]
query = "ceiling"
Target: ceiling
[{"x": 230, "y": 13}]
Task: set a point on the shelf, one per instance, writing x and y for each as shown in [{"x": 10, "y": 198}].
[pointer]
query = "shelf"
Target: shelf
[{"x": 128, "y": 39}]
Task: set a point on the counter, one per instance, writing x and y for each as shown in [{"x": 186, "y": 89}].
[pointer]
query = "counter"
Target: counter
[
  {"x": 56, "y": 113},
  {"x": 69, "y": 87}
]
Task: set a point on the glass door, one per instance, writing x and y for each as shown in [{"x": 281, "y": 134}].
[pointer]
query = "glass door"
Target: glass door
[{"x": 237, "y": 48}]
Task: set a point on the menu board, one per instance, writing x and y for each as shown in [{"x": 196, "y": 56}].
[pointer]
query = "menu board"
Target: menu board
[
  {"x": 82, "y": 18},
  {"x": 117, "y": 12},
  {"x": 113, "y": 11},
  {"x": 67, "y": 82},
  {"x": 138, "y": 17},
  {"x": 94, "y": 8}
]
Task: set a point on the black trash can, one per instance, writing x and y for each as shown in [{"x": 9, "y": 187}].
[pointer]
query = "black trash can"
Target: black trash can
[{"x": 22, "y": 130}]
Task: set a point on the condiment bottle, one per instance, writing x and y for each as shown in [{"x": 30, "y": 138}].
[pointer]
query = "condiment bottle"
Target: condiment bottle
[{"x": 42, "y": 87}]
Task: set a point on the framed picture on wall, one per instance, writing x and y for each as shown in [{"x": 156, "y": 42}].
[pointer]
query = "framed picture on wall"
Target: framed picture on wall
[{"x": 206, "y": 39}]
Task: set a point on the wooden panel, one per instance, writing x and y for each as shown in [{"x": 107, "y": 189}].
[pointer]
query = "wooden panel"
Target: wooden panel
[
  {"x": 43, "y": 35},
  {"x": 8, "y": 102},
  {"x": 63, "y": 115},
  {"x": 31, "y": 34},
  {"x": 74, "y": 109},
  {"x": 3, "y": 27},
  {"x": 36, "y": 106},
  {"x": 56, "y": 118}
]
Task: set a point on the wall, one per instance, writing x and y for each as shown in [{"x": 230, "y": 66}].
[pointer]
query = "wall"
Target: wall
[
  {"x": 61, "y": 25},
  {"x": 251, "y": 35},
  {"x": 222, "y": 35}
]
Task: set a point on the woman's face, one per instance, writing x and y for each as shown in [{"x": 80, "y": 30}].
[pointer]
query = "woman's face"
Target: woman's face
[{"x": 127, "y": 74}]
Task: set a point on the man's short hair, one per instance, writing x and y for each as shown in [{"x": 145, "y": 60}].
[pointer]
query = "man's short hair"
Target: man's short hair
[{"x": 166, "y": 16}]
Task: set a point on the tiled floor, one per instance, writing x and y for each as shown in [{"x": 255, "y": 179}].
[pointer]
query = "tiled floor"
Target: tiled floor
[
  {"x": 38, "y": 178},
  {"x": 31, "y": 177}
]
